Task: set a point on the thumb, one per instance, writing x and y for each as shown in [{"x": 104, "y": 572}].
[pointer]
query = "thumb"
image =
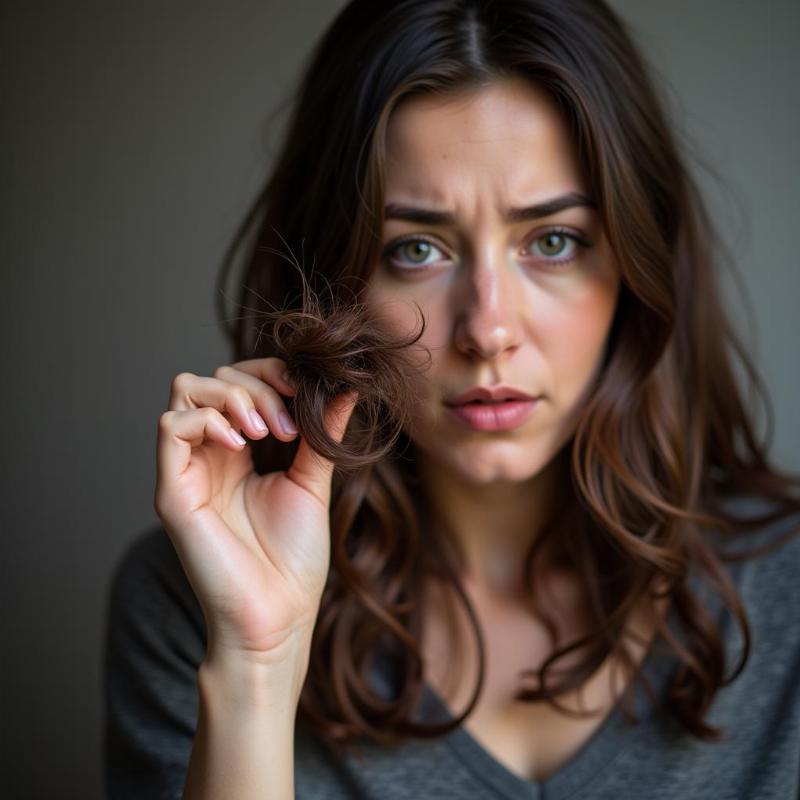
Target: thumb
[{"x": 311, "y": 470}]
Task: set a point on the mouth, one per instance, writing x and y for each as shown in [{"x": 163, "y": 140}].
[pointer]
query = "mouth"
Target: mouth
[
  {"x": 486, "y": 402},
  {"x": 489, "y": 395},
  {"x": 493, "y": 415}
]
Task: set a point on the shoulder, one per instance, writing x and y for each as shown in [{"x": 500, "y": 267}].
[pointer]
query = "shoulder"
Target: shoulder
[
  {"x": 775, "y": 542},
  {"x": 768, "y": 581},
  {"x": 771, "y": 579}
]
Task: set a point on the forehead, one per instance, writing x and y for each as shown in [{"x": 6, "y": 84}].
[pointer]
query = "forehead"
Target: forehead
[{"x": 507, "y": 137}]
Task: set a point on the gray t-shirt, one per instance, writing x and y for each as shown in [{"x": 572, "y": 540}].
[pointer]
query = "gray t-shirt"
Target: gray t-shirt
[{"x": 156, "y": 641}]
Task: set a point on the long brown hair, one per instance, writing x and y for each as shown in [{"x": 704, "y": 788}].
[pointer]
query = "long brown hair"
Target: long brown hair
[{"x": 665, "y": 439}]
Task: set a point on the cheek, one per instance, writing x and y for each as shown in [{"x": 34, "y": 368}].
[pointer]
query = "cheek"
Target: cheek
[{"x": 572, "y": 334}]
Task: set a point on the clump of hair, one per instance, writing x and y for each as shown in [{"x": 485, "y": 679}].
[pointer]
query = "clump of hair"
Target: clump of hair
[{"x": 334, "y": 344}]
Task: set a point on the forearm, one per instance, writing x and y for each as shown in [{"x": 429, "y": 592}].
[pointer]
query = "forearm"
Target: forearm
[{"x": 244, "y": 743}]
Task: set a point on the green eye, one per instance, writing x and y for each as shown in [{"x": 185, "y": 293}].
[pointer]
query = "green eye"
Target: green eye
[
  {"x": 417, "y": 250},
  {"x": 554, "y": 243},
  {"x": 553, "y": 248},
  {"x": 557, "y": 247},
  {"x": 414, "y": 251}
]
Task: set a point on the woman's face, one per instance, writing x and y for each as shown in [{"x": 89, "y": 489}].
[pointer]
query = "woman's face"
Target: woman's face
[{"x": 519, "y": 300}]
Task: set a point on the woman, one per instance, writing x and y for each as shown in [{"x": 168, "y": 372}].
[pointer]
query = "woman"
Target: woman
[{"x": 526, "y": 536}]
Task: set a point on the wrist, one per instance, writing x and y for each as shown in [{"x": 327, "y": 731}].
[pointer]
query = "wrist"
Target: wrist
[{"x": 254, "y": 681}]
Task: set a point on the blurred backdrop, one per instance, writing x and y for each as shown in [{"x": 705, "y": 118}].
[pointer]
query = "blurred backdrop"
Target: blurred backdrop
[{"x": 134, "y": 136}]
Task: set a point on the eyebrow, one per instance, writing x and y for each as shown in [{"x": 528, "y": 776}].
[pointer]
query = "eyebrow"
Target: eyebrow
[{"x": 425, "y": 216}]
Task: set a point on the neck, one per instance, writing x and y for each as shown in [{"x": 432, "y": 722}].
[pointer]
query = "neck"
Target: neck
[{"x": 493, "y": 526}]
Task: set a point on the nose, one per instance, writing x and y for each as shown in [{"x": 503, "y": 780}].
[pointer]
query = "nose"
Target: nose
[{"x": 487, "y": 322}]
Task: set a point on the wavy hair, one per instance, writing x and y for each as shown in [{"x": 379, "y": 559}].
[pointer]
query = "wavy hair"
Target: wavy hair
[{"x": 664, "y": 439}]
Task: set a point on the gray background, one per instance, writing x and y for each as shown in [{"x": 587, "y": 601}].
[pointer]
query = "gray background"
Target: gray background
[{"x": 134, "y": 136}]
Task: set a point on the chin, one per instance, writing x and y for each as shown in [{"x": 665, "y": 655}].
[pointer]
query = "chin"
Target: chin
[{"x": 489, "y": 463}]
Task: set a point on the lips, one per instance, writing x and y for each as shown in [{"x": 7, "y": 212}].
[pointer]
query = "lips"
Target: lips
[
  {"x": 493, "y": 417},
  {"x": 489, "y": 394}
]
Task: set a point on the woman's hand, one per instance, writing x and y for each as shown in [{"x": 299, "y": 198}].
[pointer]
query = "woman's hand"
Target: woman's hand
[{"x": 256, "y": 548}]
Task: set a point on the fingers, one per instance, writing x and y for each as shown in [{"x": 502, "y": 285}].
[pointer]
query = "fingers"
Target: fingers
[
  {"x": 311, "y": 470},
  {"x": 245, "y": 395},
  {"x": 266, "y": 399},
  {"x": 254, "y": 405},
  {"x": 269, "y": 370},
  {"x": 180, "y": 431}
]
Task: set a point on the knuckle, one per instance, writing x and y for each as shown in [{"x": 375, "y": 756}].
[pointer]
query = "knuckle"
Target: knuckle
[
  {"x": 240, "y": 395},
  {"x": 181, "y": 381},
  {"x": 271, "y": 399},
  {"x": 165, "y": 421},
  {"x": 210, "y": 415},
  {"x": 221, "y": 371}
]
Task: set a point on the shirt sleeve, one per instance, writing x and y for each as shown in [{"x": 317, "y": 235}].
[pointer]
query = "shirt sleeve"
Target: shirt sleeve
[{"x": 154, "y": 643}]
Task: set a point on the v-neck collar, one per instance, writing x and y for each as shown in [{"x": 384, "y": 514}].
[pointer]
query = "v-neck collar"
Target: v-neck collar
[
  {"x": 609, "y": 740},
  {"x": 596, "y": 754}
]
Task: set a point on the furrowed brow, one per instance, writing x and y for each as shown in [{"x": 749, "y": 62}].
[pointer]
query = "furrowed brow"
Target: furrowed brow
[{"x": 426, "y": 216}]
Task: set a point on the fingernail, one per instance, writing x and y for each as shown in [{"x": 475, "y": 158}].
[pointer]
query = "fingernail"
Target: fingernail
[
  {"x": 286, "y": 423},
  {"x": 286, "y": 378},
  {"x": 257, "y": 420},
  {"x": 235, "y": 438}
]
